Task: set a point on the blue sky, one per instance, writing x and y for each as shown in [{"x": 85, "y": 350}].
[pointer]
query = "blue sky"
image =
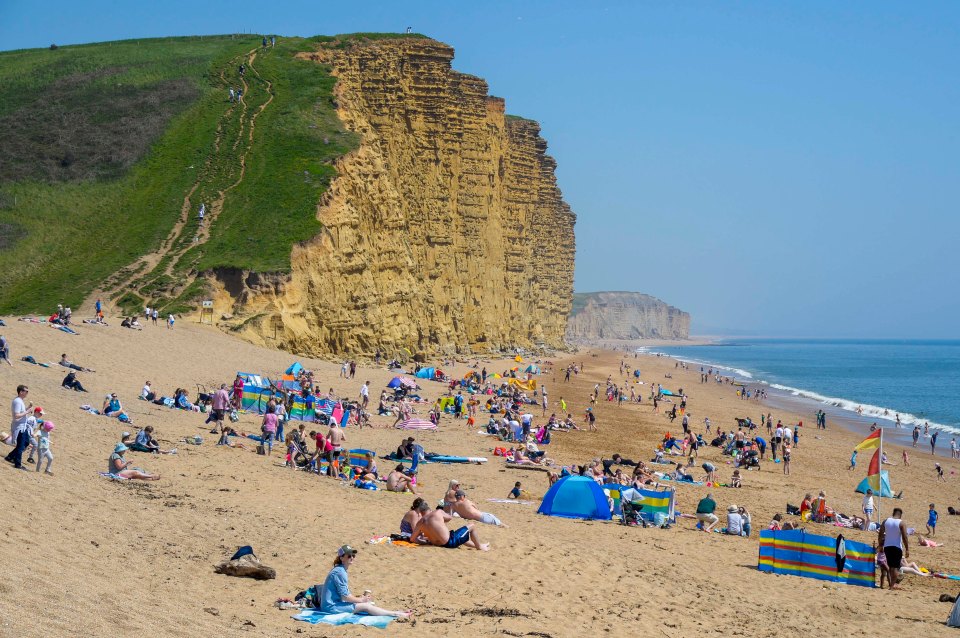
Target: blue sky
[{"x": 784, "y": 169}]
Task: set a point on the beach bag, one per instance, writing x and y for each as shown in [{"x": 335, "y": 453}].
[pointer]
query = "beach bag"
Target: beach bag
[
  {"x": 234, "y": 417},
  {"x": 262, "y": 451},
  {"x": 123, "y": 418}
]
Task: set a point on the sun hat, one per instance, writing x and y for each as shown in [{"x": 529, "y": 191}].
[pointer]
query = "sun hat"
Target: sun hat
[
  {"x": 48, "y": 426},
  {"x": 124, "y": 435},
  {"x": 732, "y": 508},
  {"x": 120, "y": 447},
  {"x": 346, "y": 549}
]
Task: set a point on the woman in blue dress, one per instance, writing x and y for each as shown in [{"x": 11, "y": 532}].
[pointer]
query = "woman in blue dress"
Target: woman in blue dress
[{"x": 335, "y": 597}]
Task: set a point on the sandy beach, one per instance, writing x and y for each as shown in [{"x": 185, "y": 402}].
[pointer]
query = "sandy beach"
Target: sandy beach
[{"x": 87, "y": 556}]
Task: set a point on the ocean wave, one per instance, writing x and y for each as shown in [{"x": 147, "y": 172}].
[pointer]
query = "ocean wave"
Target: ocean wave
[
  {"x": 868, "y": 411},
  {"x": 737, "y": 372}
]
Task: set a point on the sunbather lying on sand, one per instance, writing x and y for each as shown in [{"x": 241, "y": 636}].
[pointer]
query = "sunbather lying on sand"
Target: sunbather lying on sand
[
  {"x": 66, "y": 363},
  {"x": 433, "y": 527},
  {"x": 468, "y": 510}
]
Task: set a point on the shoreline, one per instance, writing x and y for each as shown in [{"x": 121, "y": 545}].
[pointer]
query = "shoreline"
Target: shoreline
[{"x": 804, "y": 401}]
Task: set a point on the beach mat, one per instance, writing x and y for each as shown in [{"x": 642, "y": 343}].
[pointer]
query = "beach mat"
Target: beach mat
[
  {"x": 535, "y": 468},
  {"x": 315, "y": 617}
]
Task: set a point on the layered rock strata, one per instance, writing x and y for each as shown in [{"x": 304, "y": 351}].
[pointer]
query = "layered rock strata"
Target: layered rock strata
[
  {"x": 445, "y": 230},
  {"x": 604, "y": 316}
]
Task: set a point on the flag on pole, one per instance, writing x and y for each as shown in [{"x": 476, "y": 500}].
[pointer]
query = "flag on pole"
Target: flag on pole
[
  {"x": 873, "y": 473},
  {"x": 872, "y": 442}
]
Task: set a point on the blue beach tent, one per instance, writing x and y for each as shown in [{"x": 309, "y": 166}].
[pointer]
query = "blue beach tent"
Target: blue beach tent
[
  {"x": 294, "y": 369},
  {"x": 576, "y": 497},
  {"x": 426, "y": 373},
  {"x": 885, "y": 491}
]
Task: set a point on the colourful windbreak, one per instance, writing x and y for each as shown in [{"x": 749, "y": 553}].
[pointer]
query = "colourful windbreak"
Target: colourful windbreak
[{"x": 798, "y": 553}]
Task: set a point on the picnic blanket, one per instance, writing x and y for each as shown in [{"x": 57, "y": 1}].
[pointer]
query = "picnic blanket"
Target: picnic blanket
[{"x": 315, "y": 617}]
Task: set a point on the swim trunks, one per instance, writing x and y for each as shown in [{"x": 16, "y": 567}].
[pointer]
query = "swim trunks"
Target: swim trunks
[
  {"x": 489, "y": 519},
  {"x": 894, "y": 555},
  {"x": 458, "y": 538}
]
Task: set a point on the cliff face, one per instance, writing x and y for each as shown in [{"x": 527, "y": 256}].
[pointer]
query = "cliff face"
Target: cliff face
[
  {"x": 444, "y": 230},
  {"x": 601, "y": 316}
]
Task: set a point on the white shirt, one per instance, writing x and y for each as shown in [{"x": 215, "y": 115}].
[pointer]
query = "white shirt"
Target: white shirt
[
  {"x": 891, "y": 536},
  {"x": 17, "y": 424},
  {"x": 868, "y": 502},
  {"x": 787, "y": 433},
  {"x": 734, "y": 523},
  {"x": 364, "y": 391},
  {"x": 779, "y": 433},
  {"x": 146, "y": 390},
  {"x": 31, "y": 424}
]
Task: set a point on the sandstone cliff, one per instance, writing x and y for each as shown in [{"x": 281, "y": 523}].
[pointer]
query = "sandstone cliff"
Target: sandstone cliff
[
  {"x": 600, "y": 316},
  {"x": 445, "y": 230}
]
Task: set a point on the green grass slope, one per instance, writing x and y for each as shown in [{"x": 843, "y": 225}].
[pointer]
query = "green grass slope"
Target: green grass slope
[{"x": 105, "y": 144}]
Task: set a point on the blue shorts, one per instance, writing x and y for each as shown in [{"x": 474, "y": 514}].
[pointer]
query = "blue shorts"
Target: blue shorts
[{"x": 458, "y": 537}]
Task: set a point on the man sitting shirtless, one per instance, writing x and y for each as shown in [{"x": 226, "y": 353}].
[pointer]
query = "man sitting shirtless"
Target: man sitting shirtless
[
  {"x": 433, "y": 527},
  {"x": 397, "y": 481}
]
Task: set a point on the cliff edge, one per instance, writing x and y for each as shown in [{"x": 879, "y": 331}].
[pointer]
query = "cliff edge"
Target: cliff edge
[
  {"x": 444, "y": 230},
  {"x": 601, "y": 316}
]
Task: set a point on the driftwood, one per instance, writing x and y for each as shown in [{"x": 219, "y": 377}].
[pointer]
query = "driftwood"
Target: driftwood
[{"x": 248, "y": 566}]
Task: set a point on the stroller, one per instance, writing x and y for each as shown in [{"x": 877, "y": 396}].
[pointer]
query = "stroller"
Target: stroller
[{"x": 631, "y": 513}]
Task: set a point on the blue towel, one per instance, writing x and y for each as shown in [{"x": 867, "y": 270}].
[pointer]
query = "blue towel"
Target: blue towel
[{"x": 315, "y": 617}]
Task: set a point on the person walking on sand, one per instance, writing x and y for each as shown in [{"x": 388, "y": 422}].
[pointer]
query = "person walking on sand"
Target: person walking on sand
[
  {"x": 5, "y": 350},
  {"x": 365, "y": 395},
  {"x": 933, "y": 442},
  {"x": 18, "y": 427},
  {"x": 591, "y": 420},
  {"x": 170, "y": 322},
  {"x": 868, "y": 508},
  {"x": 786, "y": 458},
  {"x": 893, "y": 540}
]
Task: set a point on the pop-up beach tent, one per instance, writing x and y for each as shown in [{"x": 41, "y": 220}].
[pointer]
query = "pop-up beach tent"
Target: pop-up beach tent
[
  {"x": 294, "y": 369},
  {"x": 532, "y": 368},
  {"x": 797, "y": 553},
  {"x": 576, "y": 497},
  {"x": 885, "y": 490},
  {"x": 426, "y": 373}
]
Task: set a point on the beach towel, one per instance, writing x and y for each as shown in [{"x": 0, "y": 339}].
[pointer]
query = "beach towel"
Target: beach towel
[
  {"x": 509, "y": 501},
  {"x": 112, "y": 477},
  {"x": 90, "y": 409},
  {"x": 315, "y": 617}
]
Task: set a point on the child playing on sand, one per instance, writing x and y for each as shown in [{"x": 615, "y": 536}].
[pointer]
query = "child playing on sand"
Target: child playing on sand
[
  {"x": 932, "y": 521},
  {"x": 43, "y": 446},
  {"x": 735, "y": 480}
]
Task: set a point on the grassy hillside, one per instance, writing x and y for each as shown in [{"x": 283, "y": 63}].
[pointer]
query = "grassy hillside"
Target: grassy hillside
[{"x": 110, "y": 148}]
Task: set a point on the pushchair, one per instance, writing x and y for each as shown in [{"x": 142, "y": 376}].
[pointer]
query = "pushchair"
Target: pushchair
[{"x": 631, "y": 513}]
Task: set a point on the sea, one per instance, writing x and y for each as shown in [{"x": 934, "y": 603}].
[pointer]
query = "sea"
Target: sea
[{"x": 856, "y": 381}]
